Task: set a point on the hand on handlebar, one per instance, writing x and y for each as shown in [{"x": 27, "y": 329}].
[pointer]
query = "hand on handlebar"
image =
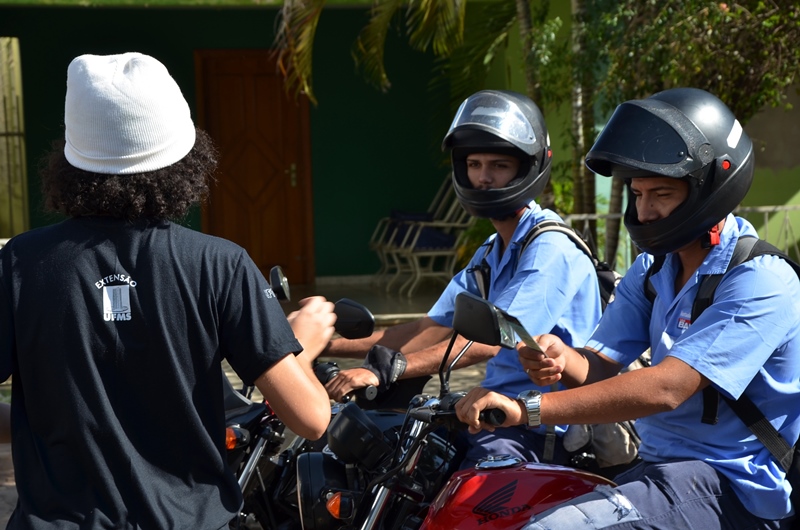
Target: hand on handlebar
[
  {"x": 313, "y": 325},
  {"x": 544, "y": 369},
  {"x": 477, "y": 400},
  {"x": 448, "y": 418},
  {"x": 348, "y": 381}
]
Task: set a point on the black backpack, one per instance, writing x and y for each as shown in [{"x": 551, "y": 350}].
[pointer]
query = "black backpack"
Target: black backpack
[
  {"x": 607, "y": 278},
  {"x": 746, "y": 249}
]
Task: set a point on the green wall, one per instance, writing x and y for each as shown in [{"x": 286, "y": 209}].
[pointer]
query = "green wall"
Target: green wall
[{"x": 371, "y": 152}]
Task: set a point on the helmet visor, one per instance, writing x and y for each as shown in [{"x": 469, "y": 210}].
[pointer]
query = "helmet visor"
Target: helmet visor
[
  {"x": 499, "y": 116},
  {"x": 637, "y": 138}
]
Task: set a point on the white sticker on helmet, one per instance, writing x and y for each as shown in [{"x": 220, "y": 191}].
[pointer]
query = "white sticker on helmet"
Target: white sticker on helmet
[{"x": 735, "y": 135}]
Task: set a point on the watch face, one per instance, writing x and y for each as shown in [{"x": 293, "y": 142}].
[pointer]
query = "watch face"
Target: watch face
[{"x": 531, "y": 400}]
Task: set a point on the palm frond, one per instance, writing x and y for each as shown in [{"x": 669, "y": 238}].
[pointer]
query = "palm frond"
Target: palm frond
[
  {"x": 438, "y": 24},
  {"x": 369, "y": 47},
  {"x": 294, "y": 41},
  {"x": 466, "y": 68},
  {"x": 464, "y": 71}
]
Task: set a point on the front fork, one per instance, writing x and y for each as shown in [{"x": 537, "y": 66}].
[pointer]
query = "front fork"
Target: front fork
[{"x": 382, "y": 493}]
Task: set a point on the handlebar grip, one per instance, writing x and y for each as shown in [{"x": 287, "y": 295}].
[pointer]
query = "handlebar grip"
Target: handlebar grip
[
  {"x": 494, "y": 417},
  {"x": 368, "y": 393},
  {"x": 328, "y": 370}
]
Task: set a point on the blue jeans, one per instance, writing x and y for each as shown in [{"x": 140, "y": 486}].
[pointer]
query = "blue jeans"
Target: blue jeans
[
  {"x": 655, "y": 496},
  {"x": 516, "y": 441}
]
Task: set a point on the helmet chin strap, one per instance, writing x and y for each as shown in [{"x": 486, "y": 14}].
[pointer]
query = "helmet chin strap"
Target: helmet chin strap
[{"x": 710, "y": 238}]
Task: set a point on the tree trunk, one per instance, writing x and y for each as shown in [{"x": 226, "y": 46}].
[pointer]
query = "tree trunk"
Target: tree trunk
[
  {"x": 613, "y": 225},
  {"x": 525, "y": 28},
  {"x": 578, "y": 148},
  {"x": 576, "y": 126},
  {"x": 548, "y": 198},
  {"x": 588, "y": 178},
  {"x": 582, "y": 122}
]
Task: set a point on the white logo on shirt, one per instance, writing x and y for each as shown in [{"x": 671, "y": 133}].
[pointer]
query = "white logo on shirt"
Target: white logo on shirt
[
  {"x": 116, "y": 298},
  {"x": 270, "y": 293}
]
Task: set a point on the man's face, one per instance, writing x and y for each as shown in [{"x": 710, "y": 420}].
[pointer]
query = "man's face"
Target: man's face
[
  {"x": 491, "y": 171},
  {"x": 657, "y": 197}
]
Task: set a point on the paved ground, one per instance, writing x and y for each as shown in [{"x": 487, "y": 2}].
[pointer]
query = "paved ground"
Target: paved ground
[{"x": 8, "y": 489}]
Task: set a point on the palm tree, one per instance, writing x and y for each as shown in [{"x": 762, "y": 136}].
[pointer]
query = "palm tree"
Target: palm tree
[
  {"x": 430, "y": 24},
  {"x": 463, "y": 58},
  {"x": 620, "y": 50}
]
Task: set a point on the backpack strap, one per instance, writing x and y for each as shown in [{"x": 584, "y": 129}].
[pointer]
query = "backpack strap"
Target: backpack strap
[
  {"x": 607, "y": 278},
  {"x": 482, "y": 271},
  {"x": 746, "y": 249},
  {"x": 752, "y": 416},
  {"x": 708, "y": 284},
  {"x": 549, "y": 226},
  {"x": 649, "y": 290}
]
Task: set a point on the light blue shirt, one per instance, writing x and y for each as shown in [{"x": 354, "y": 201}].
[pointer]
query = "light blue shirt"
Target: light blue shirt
[
  {"x": 746, "y": 341},
  {"x": 551, "y": 288}
]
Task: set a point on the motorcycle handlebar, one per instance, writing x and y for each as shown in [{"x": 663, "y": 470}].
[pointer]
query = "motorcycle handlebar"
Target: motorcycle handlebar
[
  {"x": 327, "y": 371},
  {"x": 369, "y": 393},
  {"x": 494, "y": 417}
]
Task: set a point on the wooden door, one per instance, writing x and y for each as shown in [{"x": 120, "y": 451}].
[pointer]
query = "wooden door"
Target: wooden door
[{"x": 262, "y": 198}]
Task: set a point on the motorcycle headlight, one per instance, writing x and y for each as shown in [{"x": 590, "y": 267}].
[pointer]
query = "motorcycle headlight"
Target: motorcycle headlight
[
  {"x": 319, "y": 475},
  {"x": 355, "y": 439}
]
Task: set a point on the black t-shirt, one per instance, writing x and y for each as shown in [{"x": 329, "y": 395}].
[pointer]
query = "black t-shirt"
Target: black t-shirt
[{"x": 114, "y": 332}]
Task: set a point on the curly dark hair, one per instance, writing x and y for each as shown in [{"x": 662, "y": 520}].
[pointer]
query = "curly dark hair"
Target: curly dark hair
[{"x": 165, "y": 193}]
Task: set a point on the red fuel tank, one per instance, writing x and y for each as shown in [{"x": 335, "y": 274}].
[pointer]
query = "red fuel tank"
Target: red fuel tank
[{"x": 501, "y": 494}]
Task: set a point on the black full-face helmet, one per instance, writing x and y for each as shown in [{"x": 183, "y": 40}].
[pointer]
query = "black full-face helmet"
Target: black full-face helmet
[
  {"x": 682, "y": 133},
  {"x": 503, "y": 122}
]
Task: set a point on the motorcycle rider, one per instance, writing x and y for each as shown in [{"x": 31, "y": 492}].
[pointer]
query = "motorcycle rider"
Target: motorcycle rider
[
  {"x": 115, "y": 320},
  {"x": 687, "y": 163},
  {"x": 501, "y": 160}
]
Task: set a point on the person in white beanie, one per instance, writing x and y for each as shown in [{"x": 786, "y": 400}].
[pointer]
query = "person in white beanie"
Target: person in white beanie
[{"x": 114, "y": 321}]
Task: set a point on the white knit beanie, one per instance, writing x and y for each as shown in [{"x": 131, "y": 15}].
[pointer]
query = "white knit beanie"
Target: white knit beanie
[{"x": 124, "y": 114}]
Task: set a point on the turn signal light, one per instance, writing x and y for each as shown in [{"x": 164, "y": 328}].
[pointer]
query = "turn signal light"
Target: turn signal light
[
  {"x": 340, "y": 506},
  {"x": 236, "y": 437}
]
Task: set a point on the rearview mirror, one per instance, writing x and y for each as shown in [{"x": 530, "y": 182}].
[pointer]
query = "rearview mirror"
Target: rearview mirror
[
  {"x": 353, "y": 320},
  {"x": 481, "y": 321},
  {"x": 279, "y": 283}
]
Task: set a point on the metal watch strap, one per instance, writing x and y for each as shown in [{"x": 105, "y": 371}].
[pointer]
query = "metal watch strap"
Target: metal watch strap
[{"x": 532, "y": 399}]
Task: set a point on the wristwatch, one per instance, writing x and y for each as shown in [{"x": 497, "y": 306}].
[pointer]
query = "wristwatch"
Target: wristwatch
[{"x": 532, "y": 399}]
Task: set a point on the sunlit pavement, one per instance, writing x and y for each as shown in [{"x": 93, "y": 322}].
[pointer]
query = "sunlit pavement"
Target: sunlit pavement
[{"x": 8, "y": 488}]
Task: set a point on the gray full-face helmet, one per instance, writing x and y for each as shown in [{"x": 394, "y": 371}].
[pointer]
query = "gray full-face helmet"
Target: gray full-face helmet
[
  {"x": 682, "y": 133},
  {"x": 504, "y": 122}
]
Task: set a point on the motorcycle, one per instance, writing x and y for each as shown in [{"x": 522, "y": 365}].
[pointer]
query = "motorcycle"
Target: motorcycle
[
  {"x": 377, "y": 472},
  {"x": 258, "y": 452}
]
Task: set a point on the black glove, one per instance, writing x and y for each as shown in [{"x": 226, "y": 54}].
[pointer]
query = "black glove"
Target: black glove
[{"x": 387, "y": 365}]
